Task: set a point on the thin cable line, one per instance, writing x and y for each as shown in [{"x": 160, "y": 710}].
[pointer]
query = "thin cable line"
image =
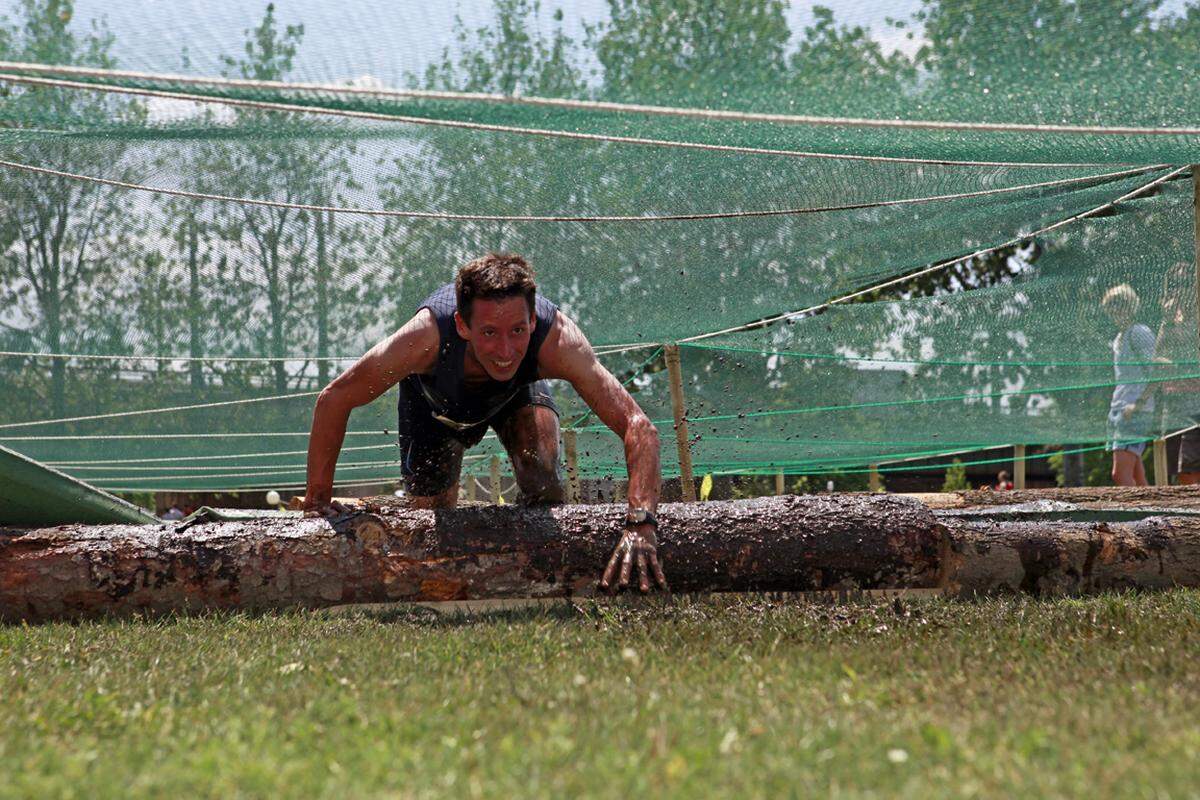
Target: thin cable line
[
  {"x": 226, "y": 456},
  {"x": 139, "y": 436},
  {"x": 249, "y": 468},
  {"x": 493, "y": 128},
  {"x": 601, "y": 105},
  {"x": 240, "y": 488},
  {"x": 936, "y": 267},
  {"x": 193, "y": 407},
  {"x": 168, "y": 359},
  {"x": 205, "y": 476},
  {"x": 936, "y": 362},
  {"x": 441, "y": 215}
]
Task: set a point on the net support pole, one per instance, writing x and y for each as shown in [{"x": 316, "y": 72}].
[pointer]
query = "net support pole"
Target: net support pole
[
  {"x": 470, "y": 488},
  {"x": 1019, "y": 466},
  {"x": 495, "y": 479},
  {"x": 1162, "y": 476},
  {"x": 873, "y": 481},
  {"x": 779, "y": 482},
  {"x": 687, "y": 484},
  {"x": 1196, "y": 237},
  {"x": 571, "y": 448}
]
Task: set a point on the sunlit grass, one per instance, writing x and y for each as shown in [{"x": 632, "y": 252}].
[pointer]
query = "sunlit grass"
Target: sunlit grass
[{"x": 1069, "y": 698}]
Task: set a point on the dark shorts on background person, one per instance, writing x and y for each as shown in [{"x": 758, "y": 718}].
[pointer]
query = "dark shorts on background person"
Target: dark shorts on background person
[
  {"x": 1130, "y": 434},
  {"x": 431, "y": 452}
]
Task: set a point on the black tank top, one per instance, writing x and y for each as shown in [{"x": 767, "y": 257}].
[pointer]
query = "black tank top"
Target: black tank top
[{"x": 445, "y": 390}]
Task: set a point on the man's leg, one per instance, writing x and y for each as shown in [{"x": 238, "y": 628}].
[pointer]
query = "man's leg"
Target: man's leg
[
  {"x": 1125, "y": 468},
  {"x": 530, "y": 435},
  {"x": 430, "y": 456}
]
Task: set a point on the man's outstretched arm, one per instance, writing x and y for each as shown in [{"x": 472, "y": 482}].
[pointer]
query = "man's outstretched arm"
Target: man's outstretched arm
[
  {"x": 567, "y": 354},
  {"x": 411, "y": 349}
]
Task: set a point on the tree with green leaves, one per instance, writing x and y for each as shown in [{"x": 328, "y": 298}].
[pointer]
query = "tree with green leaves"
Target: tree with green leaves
[
  {"x": 63, "y": 236},
  {"x": 293, "y": 303}
]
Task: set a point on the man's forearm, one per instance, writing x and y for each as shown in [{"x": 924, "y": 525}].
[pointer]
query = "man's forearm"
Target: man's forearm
[
  {"x": 324, "y": 444},
  {"x": 642, "y": 461}
]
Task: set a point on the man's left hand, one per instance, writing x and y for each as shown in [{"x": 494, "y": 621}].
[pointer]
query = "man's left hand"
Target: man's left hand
[{"x": 638, "y": 544}]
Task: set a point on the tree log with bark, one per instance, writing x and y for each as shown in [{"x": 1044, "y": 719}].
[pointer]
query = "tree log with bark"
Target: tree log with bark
[
  {"x": 395, "y": 554},
  {"x": 823, "y": 542}
]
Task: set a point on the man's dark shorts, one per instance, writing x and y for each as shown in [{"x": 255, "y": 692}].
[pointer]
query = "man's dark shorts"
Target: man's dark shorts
[{"x": 431, "y": 451}]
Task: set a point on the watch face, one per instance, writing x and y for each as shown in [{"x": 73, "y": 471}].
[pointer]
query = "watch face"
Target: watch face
[{"x": 637, "y": 517}]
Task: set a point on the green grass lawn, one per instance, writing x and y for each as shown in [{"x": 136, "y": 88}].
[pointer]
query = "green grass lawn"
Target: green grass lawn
[{"x": 1087, "y": 698}]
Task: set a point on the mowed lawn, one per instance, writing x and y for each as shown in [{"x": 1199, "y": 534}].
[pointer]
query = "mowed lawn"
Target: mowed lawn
[{"x": 733, "y": 696}]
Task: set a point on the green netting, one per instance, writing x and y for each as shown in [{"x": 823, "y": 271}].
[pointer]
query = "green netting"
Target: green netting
[{"x": 180, "y": 278}]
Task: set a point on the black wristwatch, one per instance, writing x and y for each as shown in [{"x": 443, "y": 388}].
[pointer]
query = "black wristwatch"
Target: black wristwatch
[{"x": 640, "y": 516}]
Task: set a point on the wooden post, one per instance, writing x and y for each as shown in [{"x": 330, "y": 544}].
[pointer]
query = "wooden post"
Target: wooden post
[
  {"x": 470, "y": 488},
  {"x": 1019, "y": 466},
  {"x": 571, "y": 447},
  {"x": 1196, "y": 234},
  {"x": 495, "y": 479},
  {"x": 873, "y": 481},
  {"x": 1162, "y": 475},
  {"x": 779, "y": 482},
  {"x": 675, "y": 373}
]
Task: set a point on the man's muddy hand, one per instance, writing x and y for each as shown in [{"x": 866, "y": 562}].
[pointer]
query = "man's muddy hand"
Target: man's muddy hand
[
  {"x": 638, "y": 546},
  {"x": 320, "y": 504}
]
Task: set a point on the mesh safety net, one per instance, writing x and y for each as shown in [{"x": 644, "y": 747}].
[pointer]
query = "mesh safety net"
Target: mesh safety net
[{"x": 877, "y": 232}]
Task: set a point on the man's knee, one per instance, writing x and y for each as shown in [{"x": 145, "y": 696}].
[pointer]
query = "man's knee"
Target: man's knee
[
  {"x": 446, "y": 499},
  {"x": 538, "y": 476}
]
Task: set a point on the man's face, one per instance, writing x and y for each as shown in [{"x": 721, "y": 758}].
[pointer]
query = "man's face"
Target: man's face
[{"x": 498, "y": 335}]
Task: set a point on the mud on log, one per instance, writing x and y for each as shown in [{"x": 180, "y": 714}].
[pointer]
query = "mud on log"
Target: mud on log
[
  {"x": 1050, "y": 558},
  {"x": 777, "y": 543},
  {"x": 1086, "y": 496}
]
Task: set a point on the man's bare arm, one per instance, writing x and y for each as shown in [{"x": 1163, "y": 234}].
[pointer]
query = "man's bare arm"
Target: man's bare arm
[
  {"x": 567, "y": 354},
  {"x": 409, "y": 350}
]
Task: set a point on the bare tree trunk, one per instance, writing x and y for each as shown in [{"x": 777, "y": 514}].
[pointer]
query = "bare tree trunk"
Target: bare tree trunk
[
  {"x": 322, "y": 296},
  {"x": 195, "y": 303}
]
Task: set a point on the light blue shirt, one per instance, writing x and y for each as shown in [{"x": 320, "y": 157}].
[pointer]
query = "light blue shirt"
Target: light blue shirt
[{"x": 1134, "y": 344}]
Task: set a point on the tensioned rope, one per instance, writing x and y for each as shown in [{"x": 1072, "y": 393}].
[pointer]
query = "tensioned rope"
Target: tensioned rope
[
  {"x": 782, "y": 412},
  {"x": 135, "y": 436},
  {"x": 141, "y": 412},
  {"x": 602, "y": 105},
  {"x": 442, "y": 215},
  {"x": 243, "y": 487},
  {"x": 227, "y": 456},
  {"x": 298, "y": 470},
  {"x": 935, "y": 362},
  {"x": 939, "y": 266},
  {"x": 248, "y": 468},
  {"x": 789, "y": 315},
  {"x": 494, "y": 128}
]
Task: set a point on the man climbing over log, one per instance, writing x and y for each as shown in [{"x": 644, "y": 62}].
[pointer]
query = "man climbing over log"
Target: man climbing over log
[{"x": 478, "y": 353}]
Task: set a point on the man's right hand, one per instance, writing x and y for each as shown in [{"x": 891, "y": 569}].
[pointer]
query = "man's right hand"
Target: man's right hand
[{"x": 320, "y": 503}]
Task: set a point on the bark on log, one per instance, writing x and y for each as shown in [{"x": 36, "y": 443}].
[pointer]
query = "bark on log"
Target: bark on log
[
  {"x": 1086, "y": 496},
  {"x": 777, "y": 543},
  {"x": 1054, "y": 558}
]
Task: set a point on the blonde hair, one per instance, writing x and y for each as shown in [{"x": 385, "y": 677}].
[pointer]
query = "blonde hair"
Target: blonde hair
[{"x": 1121, "y": 297}]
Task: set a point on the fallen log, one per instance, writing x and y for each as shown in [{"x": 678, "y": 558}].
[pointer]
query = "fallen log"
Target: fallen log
[
  {"x": 1086, "y": 496},
  {"x": 1051, "y": 557},
  {"x": 778, "y": 544}
]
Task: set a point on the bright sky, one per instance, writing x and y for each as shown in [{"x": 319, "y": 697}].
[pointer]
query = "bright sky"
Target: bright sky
[
  {"x": 387, "y": 39},
  {"x": 346, "y": 40}
]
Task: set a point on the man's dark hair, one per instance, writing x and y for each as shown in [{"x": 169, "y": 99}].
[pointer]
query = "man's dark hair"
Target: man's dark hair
[{"x": 495, "y": 276}]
